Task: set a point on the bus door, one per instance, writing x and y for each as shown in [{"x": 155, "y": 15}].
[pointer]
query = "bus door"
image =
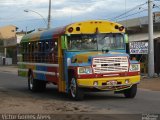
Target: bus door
[{"x": 61, "y": 60}]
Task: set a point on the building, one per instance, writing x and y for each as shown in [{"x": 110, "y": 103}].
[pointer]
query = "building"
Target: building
[{"x": 7, "y": 39}]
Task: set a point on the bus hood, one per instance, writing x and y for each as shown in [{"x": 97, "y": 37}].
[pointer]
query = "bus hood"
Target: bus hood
[{"x": 87, "y": 57}]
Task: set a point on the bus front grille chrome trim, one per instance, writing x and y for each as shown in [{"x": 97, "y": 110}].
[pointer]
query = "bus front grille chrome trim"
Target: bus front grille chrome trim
[{"x": 110, "y": 65}]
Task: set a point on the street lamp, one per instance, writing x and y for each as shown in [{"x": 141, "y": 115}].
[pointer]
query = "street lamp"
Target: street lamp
[{"x": 27, "y": 10}]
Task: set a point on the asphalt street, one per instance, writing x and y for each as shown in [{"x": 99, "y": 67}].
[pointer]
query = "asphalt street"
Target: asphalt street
[{"x": 14, "y": 96}]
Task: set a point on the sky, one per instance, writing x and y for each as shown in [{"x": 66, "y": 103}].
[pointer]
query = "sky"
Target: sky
[{"x": 64, "y": 12}]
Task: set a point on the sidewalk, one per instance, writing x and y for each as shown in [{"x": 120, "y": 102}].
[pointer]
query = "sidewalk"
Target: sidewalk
[
  {"x": 9, "y": 69},
  {"x": 146, "y": 83},
  {"x": 150, "y": 83}
]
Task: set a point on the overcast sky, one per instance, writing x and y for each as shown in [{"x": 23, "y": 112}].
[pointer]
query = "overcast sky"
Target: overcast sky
[{"x": 66, "y": 11}]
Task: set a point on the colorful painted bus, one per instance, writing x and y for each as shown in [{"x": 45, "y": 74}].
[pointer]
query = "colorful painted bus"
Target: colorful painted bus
[{"x": 82, "y": 56}]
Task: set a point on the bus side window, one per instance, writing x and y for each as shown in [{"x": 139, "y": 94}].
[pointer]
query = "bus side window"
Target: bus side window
[
  {"x": 33, "y": 51},
  {"x": 56, "y": 46},
  {"x": 39, "y": 47},
  {"x": 46, "y": 43},
  {"x": 55, "y": 51},
  {"x": 36, "y": 47},
  {"x": 28, "y": 52},
  {"x": 42, "y": 52},
  {"x": 51, "y": 48},
  {"x": 39, "y": 54},
  {"x": 22, "y": 47},
  {"x": 24, "y": 50},
  {"x": 47, "y": 46},
  {"x": 43, "y": 46}
]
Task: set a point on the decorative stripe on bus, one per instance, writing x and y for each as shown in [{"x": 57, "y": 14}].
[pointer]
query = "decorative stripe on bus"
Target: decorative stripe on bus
[
  {"x": 40, "y": 64},
  {"x": 40, "y": 72}
]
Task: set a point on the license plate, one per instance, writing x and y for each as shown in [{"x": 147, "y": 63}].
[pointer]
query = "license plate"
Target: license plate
[{"x": 113, "y": 82}]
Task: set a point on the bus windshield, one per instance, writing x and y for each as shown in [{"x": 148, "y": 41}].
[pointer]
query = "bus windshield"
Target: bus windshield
[{"x": 95, "y": 42}]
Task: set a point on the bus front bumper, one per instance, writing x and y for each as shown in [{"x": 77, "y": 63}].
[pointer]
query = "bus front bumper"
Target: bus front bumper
[{"x": 111, "y": 83}]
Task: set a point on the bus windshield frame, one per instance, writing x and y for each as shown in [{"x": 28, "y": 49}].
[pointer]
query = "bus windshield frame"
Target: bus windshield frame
[{"x": 96, "y": 42}]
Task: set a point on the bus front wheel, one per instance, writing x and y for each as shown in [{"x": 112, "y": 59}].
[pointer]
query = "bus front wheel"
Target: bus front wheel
[
  {"x": 75, "y": 92},
  {"x": 131, "y": 92}
]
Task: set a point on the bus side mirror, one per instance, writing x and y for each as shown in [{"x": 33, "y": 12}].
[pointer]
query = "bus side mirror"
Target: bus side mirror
[
  {"x": 64, "y": 42},
  {"x": 126, "y": 39}
]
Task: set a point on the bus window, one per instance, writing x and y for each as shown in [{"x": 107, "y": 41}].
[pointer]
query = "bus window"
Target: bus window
[
  {"x": 27, "y": 52},
  {"x": 46, "y": 46},
  {"x": 46, "y": 51},
  {"x": 36, "y": 47},
  {"x": 24, "y": 51},
  {"x": 55, "y": 51},
  {"x": 120, "y": 41},
  {"x": 28, "y": 47},
  {"x": 51, "y": 48},
  {"x": 32, "y": 46},
  {"x": 42, "y": 52},
  {"x": 39, "y": 56},
  {"x": 39, "y": 47},
  {"x": 24, "y": 45}
]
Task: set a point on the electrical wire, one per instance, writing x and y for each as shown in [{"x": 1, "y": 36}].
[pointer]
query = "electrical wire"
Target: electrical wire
[
  {"x": 125, "y": 13},
  {"x": 18, "y": 20},
  {"x": 140, "y": 7},
  {"x": 121, "y": 16},
  {"x": 133, "y": 14}
]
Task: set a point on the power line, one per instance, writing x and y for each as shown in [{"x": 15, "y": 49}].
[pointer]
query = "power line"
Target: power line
[
  {"x": 140, "y": 7},
  {"x": 125, "y": 13},
  {"x": 133, "y": 14},
  {"x": 19, "y": 20}
]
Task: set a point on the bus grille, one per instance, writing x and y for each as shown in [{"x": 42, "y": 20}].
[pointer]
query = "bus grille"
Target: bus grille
[{"x": 110, "y": 64}]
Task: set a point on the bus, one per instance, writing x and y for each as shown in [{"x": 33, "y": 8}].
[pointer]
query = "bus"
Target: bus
[{"x": 79, "y": 57}]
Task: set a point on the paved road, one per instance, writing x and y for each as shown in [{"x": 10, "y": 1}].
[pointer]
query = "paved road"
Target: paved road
[{"x": 15, "y": 98}]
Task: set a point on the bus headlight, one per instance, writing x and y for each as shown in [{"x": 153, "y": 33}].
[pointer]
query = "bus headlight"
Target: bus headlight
[
  {"x": 134, "y": 67},
  {"x": 84, "y": 70}
]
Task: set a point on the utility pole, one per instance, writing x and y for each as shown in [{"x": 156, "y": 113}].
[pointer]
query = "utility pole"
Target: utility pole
[
  {"x": 151, "y": 42},
  {"x": 49, "y": 16}
]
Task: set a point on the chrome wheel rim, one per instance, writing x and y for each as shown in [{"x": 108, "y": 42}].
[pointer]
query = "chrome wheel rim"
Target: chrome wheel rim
[
  {"x": 73, "y": 87},
  {"x": 31, "y": 82}
]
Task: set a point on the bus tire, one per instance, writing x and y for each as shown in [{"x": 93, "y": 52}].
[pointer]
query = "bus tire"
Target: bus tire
[
  {"x": 35, "y": 85},
  {"x": 131, "y": 92},
  {"x": 75, "y": 92}
]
